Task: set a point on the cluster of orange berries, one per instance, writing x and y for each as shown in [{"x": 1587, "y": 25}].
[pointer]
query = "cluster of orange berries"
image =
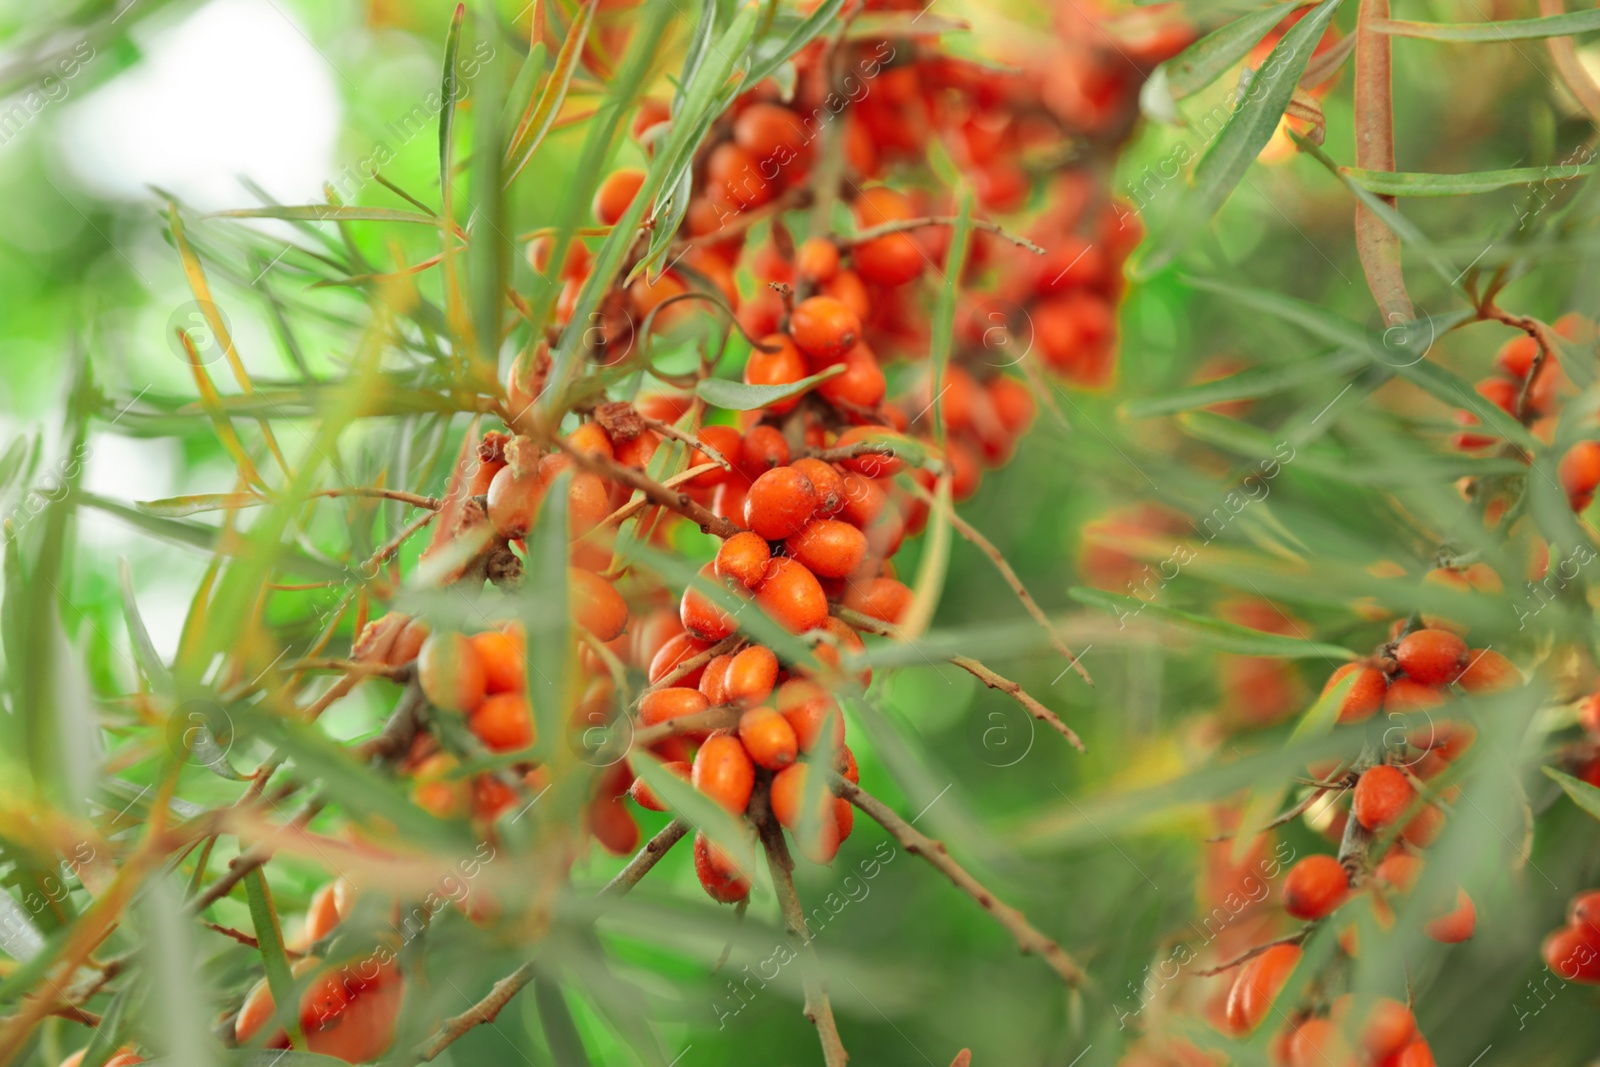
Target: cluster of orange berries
[{"x": 1573, "y": 952}]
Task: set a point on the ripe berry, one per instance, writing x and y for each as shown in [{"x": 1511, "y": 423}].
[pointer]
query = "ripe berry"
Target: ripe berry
[
  {"x": 1573, "y": 953},
  {"x": 884, "y": 599},
  {"x": 1398, "y": 871},
  {"x": 1318, "y": 1043},
  {"x": 1487, "y": 671},
  {"x": 615, "y": 195},
  {"x": 723, "y": 771},
  {"x": 612, "y": 824},
  {"x": 513, "y": 499},
  {"x": 1585, "y": 910},
  {"x": 785, "y": 366},
  {"x": 726, "y": 440},
  {"x": 596, "y": 604},
  {"x": 714, "y": 680},
  {"x": 700, "y": 616},
  {"x": 1423, "y": 828},
  {"x": 1390, "y": 1026},
  {"x": 770, "y": 131},
  {"x": 743, "y": 558},
  {"x": 1455, "y": 925},
  {"x": 816, "y": 835},
  {"x": 824, "y": 329},
  {"x": 674, "y": 651},
  {"x": 450, "y": 672},
  {"x": 1315, "y": 887},
  {"x": 873, "y": 464},
  {"x": 1365, "y": 695},
  {"x": 780, "y": 503},
  {"x": 763, "y": 448},
  {"x": 827, "y": 481},
  {"x": 816, "y": 260},
  {"x": 1580, "y": 473},
  {"x": 733, "y": 177},
  {"x": 1416, "y": 1054},
  {"x": 829, "y": 548},
  {"x": 1258, "y": 984},
  {"x": 673, "y": 702},
  {"x": 1409, "y": 695},
  {"x": 1382, "y": 795},
  {"x": 792, "y": 596},
  {"x": 890, "y": 260},
  {"x": 503, "y": 722},
  {"x": 717, "y": 874},
  {"x": 1432, "y": 657},
  {"x": 810, "y": 711},
  {"x": 861, "y": 385},
  {"x": 503, "y": 661},
  {"x": 751, "y": 675},
  {"x": 648, "y": 798},
  {"x": 769, "y": 738}
]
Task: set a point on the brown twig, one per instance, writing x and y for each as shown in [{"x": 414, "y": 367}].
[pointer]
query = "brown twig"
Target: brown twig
[
  {"x": 1292, "y": 939},
  {"x": 817, "y": 1006},
  {"x": 700, "y": 721},
  {"x": 1017, "y": 693},
  {"x": 923, "y": 221},
  {"x": 688, "y": 666},
  {"x": 1535, "y": 329},
  {"x": 657, "y": 493},
  {"x": 1029, "y": 940},
  {"x": 248, "y": 861},
  {"x": 645, "y": 859},
  {"x": 633, "y": 507},
  {"x": 398, "y": 672},
  {"x": 984, "y": 545},
  {"x": 416, "y": 500},
  {"x": 864, "y": 448},
  {"x": 666, "y": 429}
]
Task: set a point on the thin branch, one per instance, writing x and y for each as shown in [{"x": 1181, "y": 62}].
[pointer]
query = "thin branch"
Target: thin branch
[
  {"x": 398, "y": 672},
  {"x": 666, "y": 429},
  {"x": 1571, "y": 69},
  {"x": 694, "y": 662},
  {"x": 249, "y": 860},
  {"x": 923, "y": 221},
  {"x": 817, "y": 1006},
  {"x": 646, "y": 858},
  {"x": 984, "y": 545},
  {"x": 416, "y": 500},
  {"x": 680, "y": 502},
  {"x": 1017, "y": 693},
  {"x": 1292, "y": 939},
  {"x": 864, "y": 448},
  {"x": 1029, "y": 940},
  {"x": 633, "y": 507},
  {"x": 710, "y": 719}
]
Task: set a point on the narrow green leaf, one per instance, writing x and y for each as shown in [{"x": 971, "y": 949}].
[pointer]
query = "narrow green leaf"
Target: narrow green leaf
[
  {"x": 560, "y": 1031},
  {"x": 19, "y": 937},
  {"x": 178, "y": 507},
  {"x": 1250, "y": 384},
  {"x": 327, "y": 213},
  {"x": 730, "y": 834},
  {"x": 144, "y": 650},
  {"x": 772, "y": 55},
  {"x": 1494, "y": 32},
  {"x": 269, "y": 939},
  {"x": 737, "y": 396},
  {"x": 541, "y": 114},
  {"x": 1582, "y": 793},
  {"x": 449, "y": 92},
  {"x": 1249, "y": 128},
  {"x": 1412, "y": 183},
  {"x": 108, "y": 1036},
  {"x": 1212, "y": 633},
  {"x": 523, "y": 87},
  {"x": 1220, "y": 50},
  {"x": 542, "y": 606}
]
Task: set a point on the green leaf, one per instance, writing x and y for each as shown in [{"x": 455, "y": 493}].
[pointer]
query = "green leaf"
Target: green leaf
[
  {"x": 144, "y": 650},
  {"x": 449, "y": 92},
  {"x": 737, "y": 396},
  {"x": 560, "y": 1031},
  {"x": 19, "y": 937},
  {"x": 772, "y": 55},
  {"x": 877, "y": 25},
  {"x": 108, "y": 1036},
  {"x": 1220, "y": 50},
  {"x": 1411, "y": 183},
  {"x": 179, "y": 507},
  {"x": 1249, "y": 128},
  {"x": 1582, "y": 793},
  {"x": 1250, "y": 384},
  {"x": 523, "y": 87},
  {"x": 1494, "y": 32},
  {"x": 541, "y": 113},
  {"x": 269, "y": 939},
  {"x": 542, "y": 607},
  {"x": 1212, "y": 633},
  {"x": 327, "y": 213}
]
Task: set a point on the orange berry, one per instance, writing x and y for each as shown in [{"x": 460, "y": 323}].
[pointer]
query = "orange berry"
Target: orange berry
[
  {"x": 1573, "y": 953},
  {"x": 1382, "y": 795},
  {"x": 885, "y": 599},
  {"x": 827, "y": 481},
  {"x": 769, "y": 738},
  {"x": 450, "y": 672},
  {"x": 714, "y": 682},
  {"x": 513, "y": 500},
  {"x": 763, "y": 448},
  {"x": 792, "y": 596},
  {"x": 816, "y": 260},
  {"x": 785, "y": 366},
  {"x": 648, "y": 798},
  {"x": 1258, "y": 984},
  {"x": 726, "y": 440},
  {"x": 1487, "y": 671},
  {"x": 1408, "y": 695},
  {"x": 1315, "y": 887},
  {"x": 1422, "y": 829},
  {"x": 789, "y": 788},
  {"x": 770, "y": 132},
  {"x": 717, "y": 874},
  {"x": 723, "y": 771},
  {"x": 1318, "y": 1043},
  {"x": 824, "y": 329},
  {"x": 829, "y": 548},
  {"x": 1398, "y": 871},
  {"x": 1432, "y": 657},
  {"x": 503, "y": 722},
  {"x": 751, "y": 675},
  {"x": 591, "y": 439},
  {"x": 596, "y": 604},
  {"x": 673, "y": 702},
  {"x": 700, "y": 616},
  {"x": 890, "y": 260},
  {"x": 674, "y": 651},
  {"x": 872, "y": 464},
  {"x": 615, "y": 195},
  {"x": 733, "y": 177},
  {"x": 1365, "y": 695},
  {"x": 503, "y": 660},
  {"x": 810, "y": 711},
  {"x": 861, "y": 385},
  {"x": 1390, "y": 1026},
  {"x": 408, "y": 643},
  {"x": 1416, "y": 1054},
  {"x": 1580, "y": 473},
  {"x": 613, "y": 825},
  {"x": 1456, "y": 925},
  {"x": 780, "y": 503},
  {"x": 743, "y": 558}
]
